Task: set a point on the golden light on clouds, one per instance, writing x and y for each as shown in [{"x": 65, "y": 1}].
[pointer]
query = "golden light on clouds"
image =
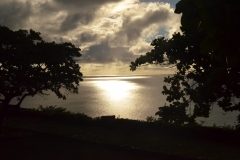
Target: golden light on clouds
[
  {"x": 110, "y": 33},
  {"x": 123, "y": 5}
]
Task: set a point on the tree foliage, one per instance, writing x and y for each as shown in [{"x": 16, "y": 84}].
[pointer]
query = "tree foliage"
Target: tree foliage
[
  {"x": 206, "y": 57},
  {"x": 30, "y": 66},
  {"x": 219, "y": 21}
]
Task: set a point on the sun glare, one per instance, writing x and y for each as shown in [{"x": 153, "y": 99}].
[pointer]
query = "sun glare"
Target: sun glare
[
  {"x": 123, "y": 6},
  {"x": 116, "y": 90}
]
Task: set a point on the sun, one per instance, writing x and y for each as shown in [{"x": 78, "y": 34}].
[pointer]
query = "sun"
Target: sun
[{"x": 116, "y": 90}]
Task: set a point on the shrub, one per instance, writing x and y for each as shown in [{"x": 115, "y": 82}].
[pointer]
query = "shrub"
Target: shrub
[
  {"x": 151, "y": 119},
  {"x": 53, "y": 110}
]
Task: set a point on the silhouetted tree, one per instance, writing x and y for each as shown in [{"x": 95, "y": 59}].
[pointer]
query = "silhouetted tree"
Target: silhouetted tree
[
  {"x": 30, "y": 66},
  {"x": 219, "y": 21},
  {"x": 205, "y": 72}
]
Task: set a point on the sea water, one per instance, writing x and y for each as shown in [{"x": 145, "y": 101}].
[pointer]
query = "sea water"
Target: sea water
[{"x": 133, "y": 97}]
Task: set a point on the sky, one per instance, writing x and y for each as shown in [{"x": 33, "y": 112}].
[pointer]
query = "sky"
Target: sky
[{"x": 110, "y": 33}]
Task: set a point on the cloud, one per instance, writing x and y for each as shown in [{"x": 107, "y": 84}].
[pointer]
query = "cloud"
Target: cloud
[
  {"x": 83, "y": 3},
  {"x": 75, "y": 12},
  {"x": 140, "y": 47},
  {"x": 72, "y": 21},
  {"x": 15, "y": 14},
  {"x": 103, "y": 53},
  {"x": 172, "y": 2},
  {"x": 87, "y": 36},
  {"x": 107, "y": 31},
  {"x": 134, "y": 24}
]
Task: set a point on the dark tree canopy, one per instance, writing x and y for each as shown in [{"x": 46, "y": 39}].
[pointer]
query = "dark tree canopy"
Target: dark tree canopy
[
  {"x": 207, "y": 69},
  {"x": 30, "y": 66},
  {"x": 219, "y": 20}
]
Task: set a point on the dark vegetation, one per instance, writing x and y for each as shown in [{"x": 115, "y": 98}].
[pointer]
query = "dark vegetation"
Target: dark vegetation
[
  {"x": 54, "y": 132},
  {"x": 30, "y": 66},
  {"x": 206, "y": 56}
]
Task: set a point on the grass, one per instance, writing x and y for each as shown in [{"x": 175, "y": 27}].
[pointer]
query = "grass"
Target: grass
[
  {"x": 34, "y": 131},
  {"x": 46, "y": 146}
]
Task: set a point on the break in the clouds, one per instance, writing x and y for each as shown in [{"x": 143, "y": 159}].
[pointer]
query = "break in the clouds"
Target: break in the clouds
[{"x": 108, "y": 31}]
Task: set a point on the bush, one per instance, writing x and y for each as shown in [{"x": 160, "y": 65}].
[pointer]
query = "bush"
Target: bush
[
  {"x": 53, "y": 110},
  {"x": 61, "y": 114},
  {"x": 151, "y": 119}
]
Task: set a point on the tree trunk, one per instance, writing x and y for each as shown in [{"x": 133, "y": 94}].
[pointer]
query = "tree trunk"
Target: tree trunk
[{"x": 21, "y": 100}]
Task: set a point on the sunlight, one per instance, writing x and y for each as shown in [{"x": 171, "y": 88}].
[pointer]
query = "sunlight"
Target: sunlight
[
  {"x": 123, "y": 5},
  {"x": 116, "y": 90}
]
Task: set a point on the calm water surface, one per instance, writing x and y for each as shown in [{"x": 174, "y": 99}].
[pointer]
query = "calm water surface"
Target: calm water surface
[{"x": 134, "y": 97}]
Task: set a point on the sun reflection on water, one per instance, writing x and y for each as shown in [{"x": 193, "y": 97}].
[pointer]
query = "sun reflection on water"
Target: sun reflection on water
[{"x": 116, "y": 90}]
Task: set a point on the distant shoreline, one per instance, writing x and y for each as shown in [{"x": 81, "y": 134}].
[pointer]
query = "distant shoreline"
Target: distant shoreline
[{"x": 88, "y": 76}]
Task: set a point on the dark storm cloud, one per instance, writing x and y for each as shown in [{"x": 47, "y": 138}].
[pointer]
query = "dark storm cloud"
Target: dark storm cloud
[
  {"x": 133, "y": 28},
  {"x": 84, "y": 3},
  {"x": 73, "y": 20},
  {"x": 47, "y": 7},
  {"x": 103, "y": 53},
  {"x": 80, "y": 12},
  {"x": 87, "y": 36},
  {"x": 15, "y": 14},
  {"x": 172, "y": 2}
]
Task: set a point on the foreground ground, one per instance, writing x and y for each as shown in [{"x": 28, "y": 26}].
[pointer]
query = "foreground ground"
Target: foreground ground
[
  {"x": 44, "y": 146},
  {"x": 37, "y": 138}
]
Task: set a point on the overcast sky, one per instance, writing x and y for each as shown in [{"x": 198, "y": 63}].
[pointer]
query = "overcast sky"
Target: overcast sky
[{"x": 110, "y": 33}]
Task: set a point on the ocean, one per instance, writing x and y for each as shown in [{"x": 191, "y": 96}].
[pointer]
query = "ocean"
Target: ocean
[{"x": 132, "y": 97}]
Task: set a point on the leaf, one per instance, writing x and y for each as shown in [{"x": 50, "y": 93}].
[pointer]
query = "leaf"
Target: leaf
[
  {"x": 36, "y": 67},
  {"x": 206, "y": 19},
  {"x": 186, "y": 21},
  {"x": 208, "y": 45},
  {"x": 200, "y": 3},
  {"x": 232, "y": 56},
  {"x": 180, "y": 6},
  {"x": 218, "y": 56}
]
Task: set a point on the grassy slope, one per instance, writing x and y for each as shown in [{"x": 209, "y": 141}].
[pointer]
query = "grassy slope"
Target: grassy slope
[
  {"x": 41, "y": 137},
  {"x": 46, "y": 146}
]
